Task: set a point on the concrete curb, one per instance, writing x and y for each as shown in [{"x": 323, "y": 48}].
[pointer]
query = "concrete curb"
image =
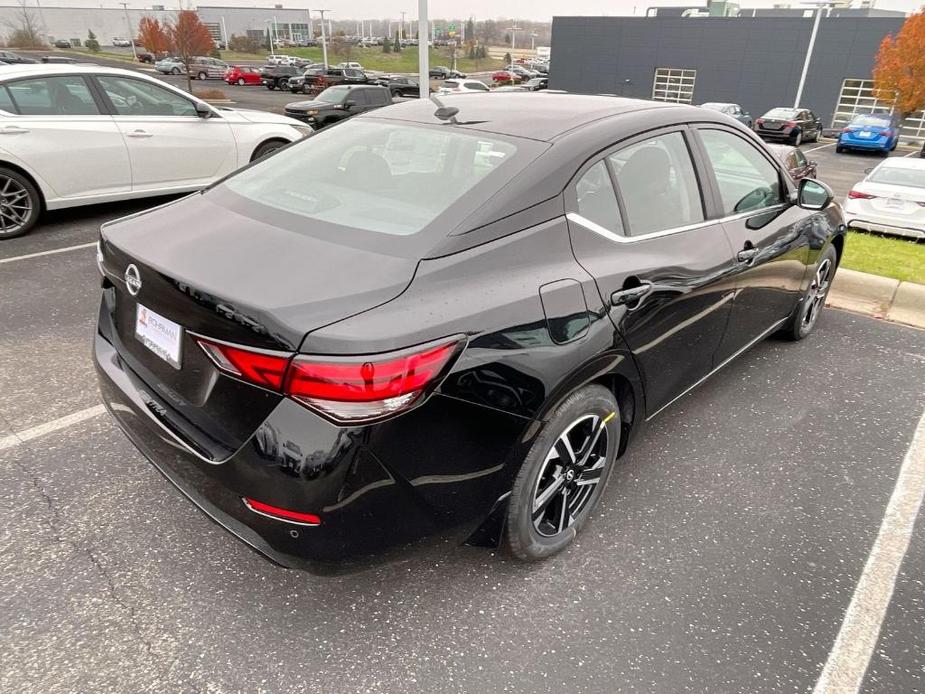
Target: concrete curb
[{"x": 878, "y": 297}]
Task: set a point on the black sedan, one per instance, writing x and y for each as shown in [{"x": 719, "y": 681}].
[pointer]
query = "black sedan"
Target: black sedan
[
  {"x": 449, "y": 323},
  {"x": 442, "y": 72},
  {"x": 793, "y": 125}
]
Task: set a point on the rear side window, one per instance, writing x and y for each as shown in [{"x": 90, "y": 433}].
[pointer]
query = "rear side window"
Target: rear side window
[
  {"x": 657, "y": 184},
  {"x": 478, "y": 86},
  {"x": 451, "y": 84},
  {"x": 53, "y": 96},
  {"x": 746, "y": 179},
  {"x": 596, "y": 200}
]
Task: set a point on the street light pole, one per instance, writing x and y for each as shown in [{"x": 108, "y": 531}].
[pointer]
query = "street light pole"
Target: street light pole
[
  {"x": 513, "y": 30},
  {"x": 131, "y": 34},
  {"x": 809, "y": 49},
  {"x": 324, "y": 41},
  {"x": 423, "y": 51},
  {"x": 401, "y": 27}
]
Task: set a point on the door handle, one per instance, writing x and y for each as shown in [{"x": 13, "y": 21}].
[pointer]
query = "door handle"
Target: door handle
[
  {"x": 139, "y": 133},
  {"x": 747, "y": 255},
  {"x": 13, "y": 130},
  {"x": 631, "y": 294}
]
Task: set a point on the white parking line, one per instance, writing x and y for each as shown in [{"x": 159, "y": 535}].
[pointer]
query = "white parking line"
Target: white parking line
[
  {"x": 911, "y": 154},
  {"x": 807, "y": 151},
  {"x": 41, "y": 253},
  {"x": 21, "y": 437},
  {"x": 860, "y": 630}
]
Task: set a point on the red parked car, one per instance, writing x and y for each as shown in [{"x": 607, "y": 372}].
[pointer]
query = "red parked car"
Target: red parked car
[
  {"x": 242, "y": 74},
  {"x": 504, "y": 76}
]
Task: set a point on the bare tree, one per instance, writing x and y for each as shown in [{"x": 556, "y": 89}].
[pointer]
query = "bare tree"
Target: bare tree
[{"x": 26, "y": 29}]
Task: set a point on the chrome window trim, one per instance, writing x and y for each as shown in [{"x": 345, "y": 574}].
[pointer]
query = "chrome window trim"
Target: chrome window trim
[{"x": 606, "y": 233}]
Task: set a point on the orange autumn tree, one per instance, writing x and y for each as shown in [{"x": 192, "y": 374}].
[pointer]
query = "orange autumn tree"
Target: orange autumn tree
[
  {"x": 153, "y": 36},
  {"x": 189, "y": 38},
  {"x": 899, "y": 70}
]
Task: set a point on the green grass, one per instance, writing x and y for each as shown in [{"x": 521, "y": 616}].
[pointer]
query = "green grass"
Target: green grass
[
  {"x": 889, "y": 257},
  {"x": 99, "y": 54},
  {"x": 374, "y": 59}
]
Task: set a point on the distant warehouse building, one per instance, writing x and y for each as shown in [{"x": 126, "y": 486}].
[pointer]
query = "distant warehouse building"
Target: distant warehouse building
[{"x": 755, "y": 61}]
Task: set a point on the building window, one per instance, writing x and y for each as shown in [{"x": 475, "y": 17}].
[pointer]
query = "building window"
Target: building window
[
  {"x": 857, "y": 96},
  {"x": 674, "y": 84},
  {"x": 215, "y": 31}
]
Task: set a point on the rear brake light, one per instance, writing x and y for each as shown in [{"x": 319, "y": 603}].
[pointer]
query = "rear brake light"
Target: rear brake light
[
  {"x": 887, "y": 133},
  {"x": 356, "y": 389},
  {"x": 790, "y": 123},
  {"x": 265, "y": 369},
  {"x": 858, "y": 195},
  {"x": 282, "y": 514},
  {"x": 846, "y": 130}
]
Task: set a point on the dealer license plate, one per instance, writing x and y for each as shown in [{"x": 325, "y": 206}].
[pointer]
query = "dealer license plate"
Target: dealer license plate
[{"x": 160, "y": 335}]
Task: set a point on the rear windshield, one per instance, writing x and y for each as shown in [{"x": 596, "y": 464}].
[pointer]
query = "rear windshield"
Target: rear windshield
[
  {"x": 880, "y": 121},
  {"x": 781, "y": 113},
  {"x": 898, "y": 176},
  {"x": 377, "y": 176}
]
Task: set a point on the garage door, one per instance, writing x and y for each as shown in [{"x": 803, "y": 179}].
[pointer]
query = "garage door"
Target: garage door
[
  {"x": 674, "y": 84},
  {"x": 857, "y": 96}
]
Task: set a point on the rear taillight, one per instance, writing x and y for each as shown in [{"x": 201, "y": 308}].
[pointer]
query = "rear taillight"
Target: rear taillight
[
  {"x": 346, "y": 389},
  {"x": 887, "y": 133},
  {"x": 846, "y": 130},
  {"x": 858, "y": 195},
  {"x": 790, "y": 123},
  {"x": 265, "y": 369},
  {"x": 356, "y": 389}
]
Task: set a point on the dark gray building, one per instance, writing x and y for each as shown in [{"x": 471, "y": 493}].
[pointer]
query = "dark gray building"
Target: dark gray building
[{"x": 753, "y": 61}]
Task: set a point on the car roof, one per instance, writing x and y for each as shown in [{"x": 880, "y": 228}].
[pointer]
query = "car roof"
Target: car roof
[
  {"x": 903, "y": 163},
  {"x": 550, "y": 115},
  {"x": 38, "y": 69}
]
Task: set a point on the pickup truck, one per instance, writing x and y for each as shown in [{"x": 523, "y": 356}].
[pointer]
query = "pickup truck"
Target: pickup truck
[
  {"x": 277, "y": 76},
  {"x": 339, "y": 103}
]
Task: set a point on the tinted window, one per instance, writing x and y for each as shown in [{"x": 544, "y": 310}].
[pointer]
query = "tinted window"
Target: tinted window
[
  {"x": 781, "y": 113},
  {"x": 132, "y": 97},
  {"x": 898, "y": 176},
  {"x": 800, "y": 157},
  {"x": 874, "y": 120},
  {"x": 53, "y": 96},
  {"x": 596, "y": 200},
  {"x": 370, "y": 175},
  {"x": 746, "y": 180},
  {"x": 6, "y": 103},
  {"x": 359, "y": 96},
  {"x": 657, "y": 185},
  {"x": 479, "y": 86}
]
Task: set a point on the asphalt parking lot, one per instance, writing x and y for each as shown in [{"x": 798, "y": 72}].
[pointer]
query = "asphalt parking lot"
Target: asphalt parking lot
[{"x": 725, "y": 555}]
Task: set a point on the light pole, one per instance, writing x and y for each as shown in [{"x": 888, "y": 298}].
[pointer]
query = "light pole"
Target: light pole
[
  {"x": 131, "y": 34},
  {"x": 269, "y": 34},
  {"x": 533, "y": 41},
  {"x": 401, "y": 27},
  {"x": 324, "y": 41},
  {"x": 513, "y": 30},
  {"x": 809, "y": 49},
  {"x": 423, "y": 51}
]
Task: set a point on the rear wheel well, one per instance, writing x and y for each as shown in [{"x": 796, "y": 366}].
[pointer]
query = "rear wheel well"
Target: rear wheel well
[
  {"x": 25, "y": 174},
  {"x": 623, "y": 392}
]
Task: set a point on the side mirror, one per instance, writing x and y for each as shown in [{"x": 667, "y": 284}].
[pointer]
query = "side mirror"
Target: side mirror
[
  {"x": 868, "y": 169},
  {"x": 349, "y": 104},
  {"x": 202, "y": 110},
  {"x": 814, "y": 195}
]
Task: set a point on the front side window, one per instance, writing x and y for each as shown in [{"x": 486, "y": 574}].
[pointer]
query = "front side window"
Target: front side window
[
  {"x": 132, "y": 97},
  {"x": 657, "y": 184},
  {"x": 746, "y": 179},
  {"x": 370, "y": 175},
  {"x": 53, "y": 96},
  {"x": 6, "y": 102},
  {"x": 800, "y": 157},
  {"x": 597, "y": 201}
]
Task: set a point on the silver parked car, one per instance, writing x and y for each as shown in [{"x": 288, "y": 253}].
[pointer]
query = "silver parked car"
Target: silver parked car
[{"x": 733, "y": 110}]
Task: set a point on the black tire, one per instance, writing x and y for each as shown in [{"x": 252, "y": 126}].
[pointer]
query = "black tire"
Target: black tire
[
  {"x": 20, "y": 201},
  {"x": 202, "y": 76},
  {"x": 797, "y": 139},
  {"x": 175, "y": 71},
  {"x": 266, "y": 148},
  {"x": 806, "y": 314},
  {"x": 241, "y": 81},
  {"x": 270, "y": 86},
  {"x": 284, "y": 83},
  {"x": 564, "y": 509},
  {"x": 839, "y": 149}
]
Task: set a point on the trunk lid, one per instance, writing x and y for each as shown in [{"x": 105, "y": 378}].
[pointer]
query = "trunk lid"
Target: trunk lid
[{"x": 229, "y": 277}]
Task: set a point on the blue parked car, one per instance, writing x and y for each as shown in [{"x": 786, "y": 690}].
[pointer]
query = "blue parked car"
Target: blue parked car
[{"x": 872, "y": 131}]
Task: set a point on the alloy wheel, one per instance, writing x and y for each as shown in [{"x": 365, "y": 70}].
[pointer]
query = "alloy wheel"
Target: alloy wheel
[
  {"x": 569, "y": 475},
  {"x": 15, "y": 206},
  {"x": 818, "y": 290}
]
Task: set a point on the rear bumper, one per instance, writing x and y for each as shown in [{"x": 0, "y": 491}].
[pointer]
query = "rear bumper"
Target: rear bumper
[
  {"x": 783, "y": 134},
  {"x": 883, "y": 227},
  {"x": 432, "y": 474},
  {"x": 880, "y": 144}
]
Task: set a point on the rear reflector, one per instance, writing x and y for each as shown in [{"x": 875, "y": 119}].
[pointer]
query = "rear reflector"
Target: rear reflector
[
  {"x": 264, "y": 369},
  {"x": 858, "y": 195},
  {"x": 354, "y": 389},
  {"x": 281, "y": 514}
]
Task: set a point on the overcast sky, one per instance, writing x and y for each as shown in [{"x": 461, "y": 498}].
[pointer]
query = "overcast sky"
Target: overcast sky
[{"x": 542, "y": 10}]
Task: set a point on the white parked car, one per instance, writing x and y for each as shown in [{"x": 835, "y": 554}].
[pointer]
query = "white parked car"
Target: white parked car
[
  {"x": 276, "y": 59},
  {"x": 121, "y": 43},
  {"x": 890, "y": 199},
  {"x": 350, "y": 66},
  {"x": 82, "y": 134},
  {"x": 456, "y": 86}
]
